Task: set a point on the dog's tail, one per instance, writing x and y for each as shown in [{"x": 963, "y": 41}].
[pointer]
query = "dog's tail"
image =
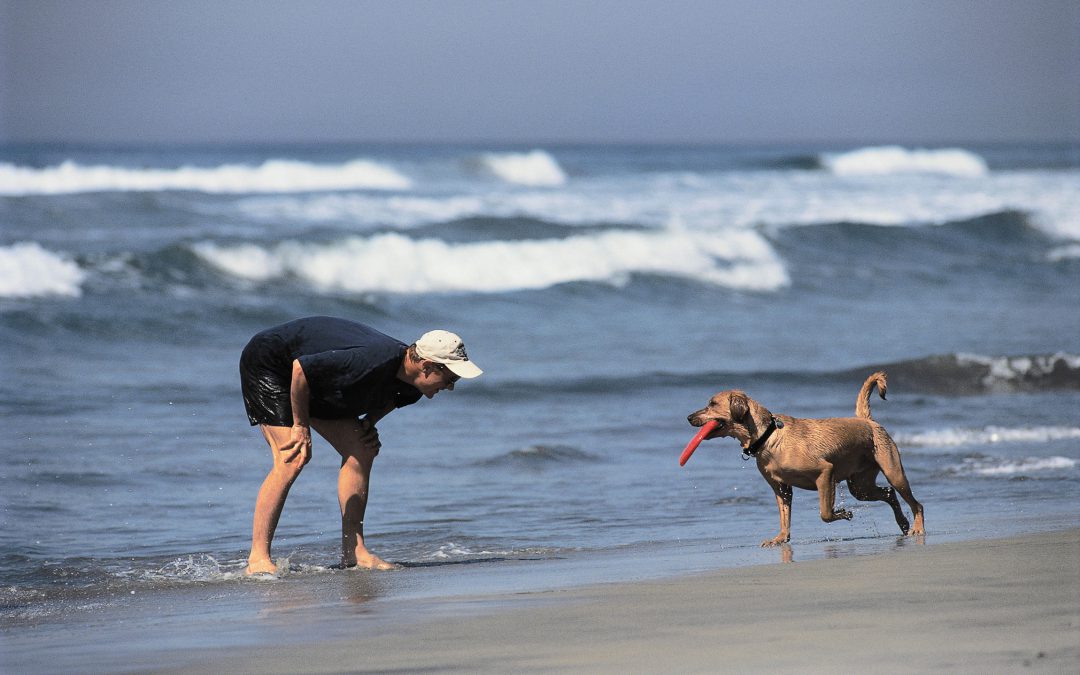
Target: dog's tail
[{"x": 862, "y": 403}]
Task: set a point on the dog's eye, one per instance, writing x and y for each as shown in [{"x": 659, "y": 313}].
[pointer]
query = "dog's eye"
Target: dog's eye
[{"x": 720, "y": 423}]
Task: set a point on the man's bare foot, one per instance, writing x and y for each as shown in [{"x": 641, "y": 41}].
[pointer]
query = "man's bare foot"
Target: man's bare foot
[
  {"x": 369, "y": 561},
  {"x": 260, "y": 567}
]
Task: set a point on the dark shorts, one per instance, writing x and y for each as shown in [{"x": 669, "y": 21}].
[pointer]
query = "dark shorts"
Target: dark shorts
[{"x": 265, "y": 380}]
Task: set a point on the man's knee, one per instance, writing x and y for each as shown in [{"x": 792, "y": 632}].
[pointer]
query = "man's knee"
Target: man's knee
[
  {"x": 358, "y": 460},
  {"x": 288, "y": 471}
]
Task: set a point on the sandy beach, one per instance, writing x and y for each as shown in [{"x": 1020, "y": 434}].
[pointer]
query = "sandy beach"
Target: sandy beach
[{"x": 980, "y": 606}]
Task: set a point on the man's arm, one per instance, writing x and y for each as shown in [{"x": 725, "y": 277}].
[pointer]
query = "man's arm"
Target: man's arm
[
  {"x": 300, "y": 398},
  {"x": 376, "y": 415},
  {"x": 300, "y": 395},
  {"x": 369, "y": 435}
]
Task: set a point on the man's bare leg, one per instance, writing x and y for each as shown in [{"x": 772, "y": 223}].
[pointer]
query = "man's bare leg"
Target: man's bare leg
[
  {"x": 271, "y": 499},
  {"x": 357, "y": 456}
]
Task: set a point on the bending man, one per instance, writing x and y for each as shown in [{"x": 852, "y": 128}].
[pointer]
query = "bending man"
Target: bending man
[{"x": 340, "y": 378}]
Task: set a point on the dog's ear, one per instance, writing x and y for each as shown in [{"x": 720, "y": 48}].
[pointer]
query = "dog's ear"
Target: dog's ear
[{"x": 738, "y": 406}]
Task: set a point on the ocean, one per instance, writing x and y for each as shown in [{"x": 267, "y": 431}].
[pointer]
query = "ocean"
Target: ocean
[{"x": 607, "y": 291}]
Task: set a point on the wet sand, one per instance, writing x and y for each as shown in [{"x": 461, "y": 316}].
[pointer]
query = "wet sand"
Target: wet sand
[{"x": 979, "y": 606}]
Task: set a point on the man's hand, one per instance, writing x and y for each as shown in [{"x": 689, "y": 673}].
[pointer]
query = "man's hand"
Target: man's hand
[
  {"x": 299, "y": 445},
  {"x": 369, "y": 436}
]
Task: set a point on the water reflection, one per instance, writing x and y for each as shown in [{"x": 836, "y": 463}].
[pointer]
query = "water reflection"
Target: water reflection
[
  {"x": 294, "y": 596},
  {"x": 846, "y": 548}
]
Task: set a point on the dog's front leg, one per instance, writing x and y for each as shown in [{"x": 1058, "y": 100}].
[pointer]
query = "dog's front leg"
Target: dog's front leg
[
  {"x": 826, "y": 488},
  {"x": 783, "y": 502}
]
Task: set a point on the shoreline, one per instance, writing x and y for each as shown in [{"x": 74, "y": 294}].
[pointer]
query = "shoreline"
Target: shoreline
[{"x": 970, "y": 606}]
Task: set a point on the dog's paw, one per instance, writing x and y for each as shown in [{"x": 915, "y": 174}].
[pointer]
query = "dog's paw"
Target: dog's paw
[
  {"x": 843, "y": 514},
  {"x": 776, "y": 541}
]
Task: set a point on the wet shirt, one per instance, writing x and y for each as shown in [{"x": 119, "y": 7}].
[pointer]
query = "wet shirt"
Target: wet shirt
[{"x": 351, "y": 368}]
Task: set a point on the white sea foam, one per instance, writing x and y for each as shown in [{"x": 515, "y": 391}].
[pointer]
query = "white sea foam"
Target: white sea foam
[
  {"x": 1067, "y": 252},
  {"x": 888, "y": 160},
  {"x": 270, "y": 176},
  {"x": 397, "y": 264},
  {"x": 27, "y": 271},
  {"x": 403, "y": 211},
  {"x": 734, "y": 200},
  {"x": 396, "y": 210},
  {"x": 1001, "y": 467},
  {"x": 961, "y": 437},
  {"x": 200, "y": 567},
  {"x": 532, "y": 169},
  {"x": 452, "y": 550}
]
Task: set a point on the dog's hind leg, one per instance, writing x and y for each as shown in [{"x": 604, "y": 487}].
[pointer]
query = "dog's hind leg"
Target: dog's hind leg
[
  {"x": 826, "y": 488},
  {"x": 783, "y": 503},
  {"x": 865, "y": 488},
  {"x": 888, "y": 458}
]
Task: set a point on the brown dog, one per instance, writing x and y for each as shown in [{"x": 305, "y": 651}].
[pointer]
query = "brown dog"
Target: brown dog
[{"x": 816, "y": 454}]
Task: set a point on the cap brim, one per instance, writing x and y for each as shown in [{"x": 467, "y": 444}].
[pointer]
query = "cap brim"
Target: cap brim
[{"x": 465, "y": 369}]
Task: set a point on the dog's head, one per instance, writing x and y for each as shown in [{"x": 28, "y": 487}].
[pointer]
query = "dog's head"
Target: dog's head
[{"x": 736, "y": 415}]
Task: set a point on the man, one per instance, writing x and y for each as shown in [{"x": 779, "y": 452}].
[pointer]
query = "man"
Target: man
[{"x": 326, "y": 373}]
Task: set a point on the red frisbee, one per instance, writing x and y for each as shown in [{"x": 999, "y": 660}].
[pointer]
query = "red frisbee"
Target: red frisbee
[{"x": 696, "y": 440}]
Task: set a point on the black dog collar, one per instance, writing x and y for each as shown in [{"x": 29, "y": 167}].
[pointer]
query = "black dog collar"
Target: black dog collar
[{"x": 752, "y": 451}]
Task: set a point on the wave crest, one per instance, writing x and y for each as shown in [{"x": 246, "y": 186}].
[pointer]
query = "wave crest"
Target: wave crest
[
  {"x": 394, "y": 263},
  {"x": 960, "y": 374},
  {"x": 531, "y": 169},
  {"x": 942, "y": 375},
  {"x": 28, "y": 271},
  {"x": 886, "y": 160},
  {"x": 270, "y": 176}
]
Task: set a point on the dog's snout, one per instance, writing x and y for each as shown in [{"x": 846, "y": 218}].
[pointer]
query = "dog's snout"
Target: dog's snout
[{"x": 694, "y": 418}]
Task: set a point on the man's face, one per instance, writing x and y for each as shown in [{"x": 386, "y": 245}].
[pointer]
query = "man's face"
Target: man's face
[{"x": 435, "y": 379}]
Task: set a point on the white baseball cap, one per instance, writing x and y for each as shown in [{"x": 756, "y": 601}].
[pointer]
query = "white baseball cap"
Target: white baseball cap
[{"x": 442, "y": 346}]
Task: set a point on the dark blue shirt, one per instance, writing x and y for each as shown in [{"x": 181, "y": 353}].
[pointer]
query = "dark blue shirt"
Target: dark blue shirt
[{"x": 351, "y": 368}]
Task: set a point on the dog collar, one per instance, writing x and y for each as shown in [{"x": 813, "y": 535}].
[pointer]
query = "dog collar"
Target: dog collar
[{"x": 752, "y": 450}]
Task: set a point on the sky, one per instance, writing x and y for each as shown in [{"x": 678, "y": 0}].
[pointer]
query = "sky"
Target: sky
[{"x": 210, "y": 71}]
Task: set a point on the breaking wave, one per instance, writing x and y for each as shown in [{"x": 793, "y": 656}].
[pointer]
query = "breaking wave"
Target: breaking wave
[
  {"x": 960, "y": 374},
  {"x": 532, "y": 169},
  {"x": 946, "y": 375},
  {"x": 888, "y": 160},
  {"x": 270, "y": 176},
  {"x": 394, "y": 263},
  {"x": 29, "y": 271}
]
